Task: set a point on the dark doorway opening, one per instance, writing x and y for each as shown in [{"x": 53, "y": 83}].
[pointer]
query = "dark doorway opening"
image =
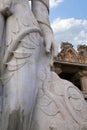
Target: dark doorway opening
[{"x": 72, "y": 78}]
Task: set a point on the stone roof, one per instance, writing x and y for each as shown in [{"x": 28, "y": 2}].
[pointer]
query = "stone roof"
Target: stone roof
[{"x": 69, "y": 54}]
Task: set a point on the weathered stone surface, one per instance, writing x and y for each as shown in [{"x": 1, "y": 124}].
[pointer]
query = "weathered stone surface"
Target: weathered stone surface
[
  {"x": 60, "y": 105},
  {"x": 69, "y": 54},
  {"x": 25, "y": 73},
  {"x": 82, "y": 53}
]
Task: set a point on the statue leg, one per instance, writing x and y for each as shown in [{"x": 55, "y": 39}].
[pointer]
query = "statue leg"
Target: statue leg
[{"x": 20, "y": 84}]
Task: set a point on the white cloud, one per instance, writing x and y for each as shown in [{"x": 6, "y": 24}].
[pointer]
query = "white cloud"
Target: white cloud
[
  {"x": 71, "y": 30},
  {"x": 54, "y": 3}
]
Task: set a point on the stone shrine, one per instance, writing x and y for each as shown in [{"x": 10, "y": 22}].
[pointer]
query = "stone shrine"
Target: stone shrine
[{"x": 72, "y": 65}]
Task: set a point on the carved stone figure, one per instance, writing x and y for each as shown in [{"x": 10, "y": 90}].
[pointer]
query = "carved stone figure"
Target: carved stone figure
[
  {"x": 24, "y": 31},
  {"x": 27, "y": 49}
]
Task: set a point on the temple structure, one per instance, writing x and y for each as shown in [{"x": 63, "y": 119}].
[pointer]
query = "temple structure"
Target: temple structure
[{"x": 71, "y": 64}]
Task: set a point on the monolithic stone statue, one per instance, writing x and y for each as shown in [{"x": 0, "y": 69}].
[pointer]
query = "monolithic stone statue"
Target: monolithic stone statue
[
  {"x": 31, "y": 96},
  {"x": 21, "y": 36}
]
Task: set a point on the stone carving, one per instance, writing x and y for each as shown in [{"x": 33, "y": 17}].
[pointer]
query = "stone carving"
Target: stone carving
[
  {"x": 22, "y": 32},
  {"x": 82, "y": 51},
  {"x": 67, "y": 53},
  {"x": 60, "y": 105},
  {"x": 27, "y": 50}
]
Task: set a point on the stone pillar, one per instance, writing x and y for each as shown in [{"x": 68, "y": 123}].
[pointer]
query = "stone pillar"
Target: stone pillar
[{"x": 83, "y": 80}]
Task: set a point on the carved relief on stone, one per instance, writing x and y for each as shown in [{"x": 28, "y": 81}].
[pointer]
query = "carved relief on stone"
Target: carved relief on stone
[
  {"x": 24, "y": 31},
  {"x": 60, "y": 105},
  {"x": 82, "y": 53},
  {"x": 67, "y": 53}
]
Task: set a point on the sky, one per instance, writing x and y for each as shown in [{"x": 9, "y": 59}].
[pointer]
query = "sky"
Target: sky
[{"x": 69, "y": 21}]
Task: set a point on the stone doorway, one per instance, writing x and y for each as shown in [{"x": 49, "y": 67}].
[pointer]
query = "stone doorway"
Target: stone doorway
[
  {"x": 71, "y": 77},
  {"x": 73, "y": 72}
]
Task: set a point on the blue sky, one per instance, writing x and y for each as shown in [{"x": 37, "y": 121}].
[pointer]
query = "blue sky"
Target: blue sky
[
  {"x": 69, "y": 21},
  {"x": 70, "y": 8}
]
